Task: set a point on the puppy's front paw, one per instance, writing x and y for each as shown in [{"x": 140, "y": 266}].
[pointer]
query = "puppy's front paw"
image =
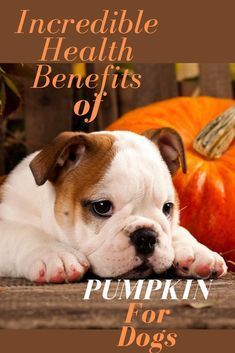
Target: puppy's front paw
[
  {"x": 196, "y": 260},
  {"x": 55, "y": 263}
]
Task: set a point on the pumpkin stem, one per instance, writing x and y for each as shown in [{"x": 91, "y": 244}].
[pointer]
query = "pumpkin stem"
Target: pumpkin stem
[{"x": 215, "y": 138}]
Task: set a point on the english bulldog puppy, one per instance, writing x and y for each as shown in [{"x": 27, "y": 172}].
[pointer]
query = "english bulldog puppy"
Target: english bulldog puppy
[{"x": 101, "y": 200}]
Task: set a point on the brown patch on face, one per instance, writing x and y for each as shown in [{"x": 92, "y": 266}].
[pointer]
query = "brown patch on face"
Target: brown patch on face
[
  {"x": 2, "y": 181},
  {"x": 79, "y": 183}
]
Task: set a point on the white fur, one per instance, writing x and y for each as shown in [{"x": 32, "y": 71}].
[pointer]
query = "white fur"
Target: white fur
[{"x": 137, "y": 182}]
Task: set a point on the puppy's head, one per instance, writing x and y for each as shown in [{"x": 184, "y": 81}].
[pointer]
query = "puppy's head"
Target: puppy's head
[{"x": 114, "y": 197}]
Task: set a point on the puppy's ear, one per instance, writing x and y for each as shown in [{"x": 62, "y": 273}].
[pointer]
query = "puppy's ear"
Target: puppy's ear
[
  {"x": 63, "y": 153},
  {"x": 171, "y": 147}
]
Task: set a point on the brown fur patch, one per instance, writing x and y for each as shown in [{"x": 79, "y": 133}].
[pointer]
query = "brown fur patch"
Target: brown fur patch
[
  {"x": 49, "y": 163},
  {"x": 78, "y": 184},
  {"x": 2, "y": 181}
]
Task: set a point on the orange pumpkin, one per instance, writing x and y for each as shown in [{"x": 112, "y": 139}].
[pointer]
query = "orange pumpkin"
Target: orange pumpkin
[{"x": 207, "y": 191}]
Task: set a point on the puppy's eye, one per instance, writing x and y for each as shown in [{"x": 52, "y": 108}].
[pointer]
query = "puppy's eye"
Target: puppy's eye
[
  {"x": 167, "y": 208},
  {"x": 102, "y": 208}
]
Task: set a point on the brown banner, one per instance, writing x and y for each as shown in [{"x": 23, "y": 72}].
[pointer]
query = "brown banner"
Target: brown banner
[
  {"x": 106, "y": 341},
  {"x": 199, "y": 31}
]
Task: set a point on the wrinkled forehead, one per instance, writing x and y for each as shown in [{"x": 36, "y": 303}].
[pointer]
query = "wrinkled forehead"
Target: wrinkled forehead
[{"x": 137, "y": 168}]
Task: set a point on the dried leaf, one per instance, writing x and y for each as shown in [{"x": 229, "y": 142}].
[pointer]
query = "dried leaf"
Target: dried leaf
[
  {"x": 2, "y": 72},
  {"x": 200, "y": 305},
  {"x": 18, "y": 70},
  {"x": 2, "y": 98},
  {"x": 12, "y": 86}
]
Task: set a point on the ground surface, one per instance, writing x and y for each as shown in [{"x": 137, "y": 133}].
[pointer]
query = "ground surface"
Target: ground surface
[{"x": 25, "y": 305}]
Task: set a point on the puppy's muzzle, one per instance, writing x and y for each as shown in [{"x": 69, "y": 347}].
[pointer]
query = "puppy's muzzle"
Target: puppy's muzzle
[{"x": 144, "y": 240}]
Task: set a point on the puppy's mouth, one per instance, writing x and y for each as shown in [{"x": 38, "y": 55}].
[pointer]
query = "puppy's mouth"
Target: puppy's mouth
[{"x": 142, "y": 271}]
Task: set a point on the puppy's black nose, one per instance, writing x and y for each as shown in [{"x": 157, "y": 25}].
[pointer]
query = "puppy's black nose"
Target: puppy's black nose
[{"x": 144, "y": 240}]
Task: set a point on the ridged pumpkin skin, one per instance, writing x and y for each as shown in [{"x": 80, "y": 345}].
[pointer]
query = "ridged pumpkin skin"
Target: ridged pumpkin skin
[{"x": 207, "y": 191}]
